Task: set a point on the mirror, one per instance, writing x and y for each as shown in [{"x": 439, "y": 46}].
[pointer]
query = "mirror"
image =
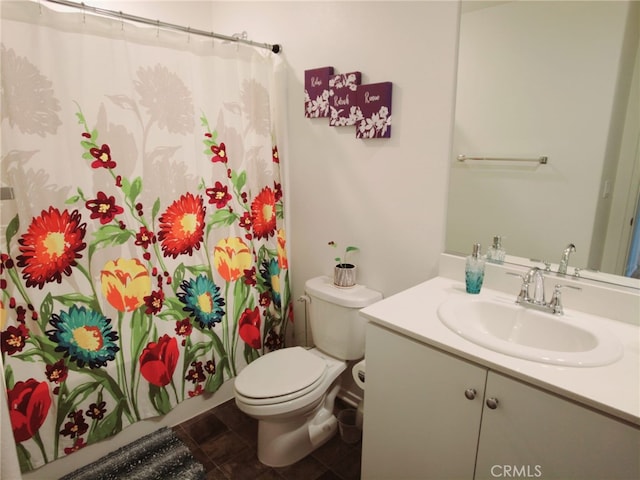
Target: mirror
[{"x": 558, "y": 80}]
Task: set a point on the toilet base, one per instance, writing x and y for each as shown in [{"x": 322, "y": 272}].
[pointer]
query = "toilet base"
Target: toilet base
[{"x": 284, "y": 442}]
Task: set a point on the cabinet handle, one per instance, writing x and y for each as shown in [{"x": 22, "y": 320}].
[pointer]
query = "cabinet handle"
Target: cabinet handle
[
  {"x": 470, "y": 393},
  {"x": 492, "y": 403}
]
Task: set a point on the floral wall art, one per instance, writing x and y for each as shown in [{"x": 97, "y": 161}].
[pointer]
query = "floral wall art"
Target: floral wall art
[
  {"x": 343, "y": 108},
  {"x": 316, "y": 92},
  {"x": 347, "y": 102},
  {"x": 147, "y": 263},
  {"x": 374, "y": 111}
]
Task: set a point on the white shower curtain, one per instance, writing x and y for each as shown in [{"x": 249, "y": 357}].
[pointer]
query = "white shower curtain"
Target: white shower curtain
[{"x": 147, "y": 261}]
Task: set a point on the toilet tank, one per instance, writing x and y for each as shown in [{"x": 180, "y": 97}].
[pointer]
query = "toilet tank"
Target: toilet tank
[{"x": 336, "y": 326}]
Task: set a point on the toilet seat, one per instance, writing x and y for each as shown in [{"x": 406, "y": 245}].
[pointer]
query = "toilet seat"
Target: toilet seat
[{"x": 280, "y": 376}]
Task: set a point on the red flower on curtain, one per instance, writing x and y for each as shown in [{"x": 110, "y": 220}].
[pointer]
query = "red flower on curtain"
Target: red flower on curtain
[
  {"x": 29, "y": 404},
  {"x": 154, "y": 302},
  {"x": 249, "y": 327},
  {"x": 76, "y": 427},
  {"x": 51, "y": 246},
  {"x": 57, "y": 372},
  {"x": 102, "y": 157},
  {"x": 158, "y": 360},
  {"x": 182, "y": 226},
  {"x": 144, "y": 238},
  {"x": 263, "y": 214},
  {"x": 219, "y": 195},
  {"x": 219, "y": 153},
  {"x": 14, "y": 339},
  {"x": 245, "y": 221},
  {"x": 104, "y": 208}
]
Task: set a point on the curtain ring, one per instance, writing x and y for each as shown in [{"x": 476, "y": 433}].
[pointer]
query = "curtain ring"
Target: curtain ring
[
  {"x": 188, "y": 34},
  {"x": 84, "y": 13},
  {"x": 157, "y": 28},
  {"x": 121, "y": 21}
]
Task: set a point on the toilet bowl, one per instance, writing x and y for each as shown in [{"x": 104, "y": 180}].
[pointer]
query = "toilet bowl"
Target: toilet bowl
[
  {"x": 291, "y": 392},
  {"x": 292, "y": 395}
]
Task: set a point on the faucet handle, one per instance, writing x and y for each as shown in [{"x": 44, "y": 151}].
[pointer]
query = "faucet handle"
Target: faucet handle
[
  {"x": 523, "y": 296},
  {"x": 555, "y": 304}
]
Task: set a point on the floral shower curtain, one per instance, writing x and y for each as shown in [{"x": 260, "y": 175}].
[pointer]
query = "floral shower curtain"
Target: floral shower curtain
[{"x": 144, "y": 257}]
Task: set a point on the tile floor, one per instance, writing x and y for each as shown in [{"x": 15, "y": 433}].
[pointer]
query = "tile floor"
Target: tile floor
[{"x": 224, "y": 440}]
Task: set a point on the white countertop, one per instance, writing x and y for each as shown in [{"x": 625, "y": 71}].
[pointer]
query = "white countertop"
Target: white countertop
[{"x": 613, "y": 389}]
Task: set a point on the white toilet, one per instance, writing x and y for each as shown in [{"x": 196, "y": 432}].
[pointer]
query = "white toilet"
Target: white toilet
[{"x": 292, "y": 391}]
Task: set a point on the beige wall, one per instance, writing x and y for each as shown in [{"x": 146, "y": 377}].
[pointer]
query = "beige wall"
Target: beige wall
[{"x": 387, "y": 196}]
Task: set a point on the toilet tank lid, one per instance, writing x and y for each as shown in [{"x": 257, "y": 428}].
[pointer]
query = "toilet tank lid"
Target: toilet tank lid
[{"x": 357, "y": 296}]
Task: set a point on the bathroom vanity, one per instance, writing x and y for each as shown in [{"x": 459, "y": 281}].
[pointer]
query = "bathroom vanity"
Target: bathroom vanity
[{"x": 439, "y": 405}]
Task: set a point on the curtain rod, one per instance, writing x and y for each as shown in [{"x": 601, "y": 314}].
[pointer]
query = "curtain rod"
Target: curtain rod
[{"x": 275, "y": 48}]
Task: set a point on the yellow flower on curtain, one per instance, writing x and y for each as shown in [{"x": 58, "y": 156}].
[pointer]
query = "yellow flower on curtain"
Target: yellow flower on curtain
[
  {"x": 283, "y": 261},
  {"x": 231, "y": 257},
  {"x": 125, "y": 283},
  {"x": 3, "y": 316}
]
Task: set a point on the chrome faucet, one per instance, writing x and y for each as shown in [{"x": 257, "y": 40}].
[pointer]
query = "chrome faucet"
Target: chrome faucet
[
  {"x": 532, "y": 293},
  {"x": 533, "y": 279},
  {"x": 564, "y": 261}
]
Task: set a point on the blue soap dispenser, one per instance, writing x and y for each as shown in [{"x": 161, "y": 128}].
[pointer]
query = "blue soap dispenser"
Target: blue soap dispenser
[{"x": 474, "y": 270}]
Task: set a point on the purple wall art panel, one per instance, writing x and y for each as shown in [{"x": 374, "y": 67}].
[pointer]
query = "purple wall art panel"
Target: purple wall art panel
[
  {"x": 316, "y": 92},
  {"x": 374, "y": 110},
  {"x": 342, "y": 98}
]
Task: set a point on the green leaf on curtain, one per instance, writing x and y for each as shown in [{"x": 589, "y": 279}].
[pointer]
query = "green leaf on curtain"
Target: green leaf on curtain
[
  {"x": 222, "y": 217},
  {"x": 46, "y": 308},
  {"x": 214, "y": 382},
  {"x": 12, "y": 229},
  {"x": 72, "y": 200},
  {"x": 178, "y": 274},
  {"x": 155, "y": 209},
  {"x": 250, "y": 354},
  {"x": 70, "y": 403},
  {"x": 70, "y": 299},
  {"x": 8, "y": 377},
  {"x": 133, "y": 189},
  {"x": 44, "y": 349},
  {"x": 159, "y": 399},
  {"x": 109, "y": 235},
  {"x": 239, "y": 180},
  {"x": 198, "y": 269},
  {"x": 197, "y": 350},
  {"x": 108, "y": 426},
  {"x": 24, "y": 458},
  {"x": 173, "y": 303}
]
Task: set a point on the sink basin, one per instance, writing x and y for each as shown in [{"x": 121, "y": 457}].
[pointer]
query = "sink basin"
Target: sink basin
[{"x": 506, "y": 327}]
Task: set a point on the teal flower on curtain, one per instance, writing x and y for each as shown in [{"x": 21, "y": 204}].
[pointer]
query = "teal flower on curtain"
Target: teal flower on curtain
[
  {"x": 85, "y": 336},
  {"x": 201, "y": 298},
  {"x": 270, "y": 272}
]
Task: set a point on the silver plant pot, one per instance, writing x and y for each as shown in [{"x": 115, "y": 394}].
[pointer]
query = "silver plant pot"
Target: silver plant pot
[{"x": 344, "y": 275}]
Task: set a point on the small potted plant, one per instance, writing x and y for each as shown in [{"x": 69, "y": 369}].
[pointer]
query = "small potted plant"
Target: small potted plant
[{"x": 344, "y": 273}]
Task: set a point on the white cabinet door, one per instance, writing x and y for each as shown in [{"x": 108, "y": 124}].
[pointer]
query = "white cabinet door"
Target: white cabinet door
[
  {"x": 418, "y": 422},
  {"x": 535, "y": 434}
]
